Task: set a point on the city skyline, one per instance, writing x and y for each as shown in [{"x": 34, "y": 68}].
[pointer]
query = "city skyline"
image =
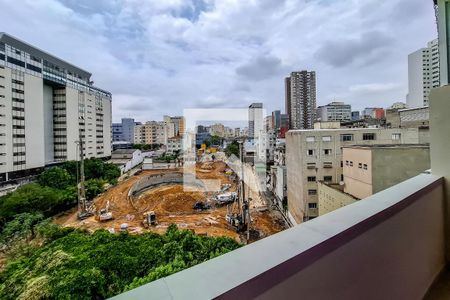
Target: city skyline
[{"x": 167, "y": 56}]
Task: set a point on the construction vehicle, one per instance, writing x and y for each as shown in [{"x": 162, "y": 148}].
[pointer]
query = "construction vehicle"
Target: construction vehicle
[
  {"x": 124, "y": 227},
  {"x": 225, "y": 187},
  {"x": 105, "y": 214},
  {"x": 226, "y": 198},
  {"x": 240, "y": 220},
  {"x": 149, "y": 219},
  {"x": 201, "y": 206}
]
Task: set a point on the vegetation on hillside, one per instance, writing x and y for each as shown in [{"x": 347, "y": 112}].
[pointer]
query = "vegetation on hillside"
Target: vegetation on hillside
[
  {"x": 42, "y": 260},
  {"x": 55, "y": 189},
  {"x": 62, "y": 263}
]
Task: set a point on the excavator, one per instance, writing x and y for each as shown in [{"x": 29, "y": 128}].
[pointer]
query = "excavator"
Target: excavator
[{"x": 149, "y": 219}]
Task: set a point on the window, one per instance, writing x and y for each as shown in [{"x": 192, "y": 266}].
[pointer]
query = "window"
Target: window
[
  {"x": 311, "y": 178},
  {"x": 327, "y": 165},
  {"x": 326, "y": 138},
  {"x": 365, "y": 167},
  {"x": 310, "y": 152},
  {"x": 360, "y": 165},
  {"x": 16, "y": 62},
  {"x": 312, "y": 192},
  {"x": 310, "y": 139},
  {"x": 34, "y": 68},
  {"x": 327, "y": 151},
  {"x": 346, "y": 137},
  {"x": 369, "y": 136},
  {"x": 342, "y": 163},
  {"x": 350, "y": 163},
  {"x": 312, "y": 205},
  {"x": 342, "y": 177},
  {"x": 327, "y": 178},
  {"x": 311, "y": 165},
  {"x": 396, "y": 136},
  {"x": 347, "y": 163}
]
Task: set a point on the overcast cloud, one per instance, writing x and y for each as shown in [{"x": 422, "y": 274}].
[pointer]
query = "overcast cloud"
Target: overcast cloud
[{"x": 160, "y": 56}]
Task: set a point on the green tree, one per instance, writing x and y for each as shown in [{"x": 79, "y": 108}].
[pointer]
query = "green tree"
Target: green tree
[
  {"x": 94, "y": 187},
  {"x": 55, "y": 177},
  {"x": 232, "y": 148},
  {"x": 34, "y": 198},
  {"x": 79, "y": 265}
]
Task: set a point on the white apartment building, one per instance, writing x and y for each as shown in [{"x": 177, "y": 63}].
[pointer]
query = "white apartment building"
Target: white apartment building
[
  {"x": 300, "y": 93},
  {"x": 174, "y": 144},
  {"x": 423, "y": 74},
  {"x": 46, "y": 105},
  {"x": 316, "y": 155},
  {"x": 256, "y": 129},
  {"x": 335, "y": 112}
]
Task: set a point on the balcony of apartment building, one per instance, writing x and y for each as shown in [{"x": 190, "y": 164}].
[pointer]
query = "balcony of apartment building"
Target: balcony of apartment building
[{"x": 394, "y": 244}]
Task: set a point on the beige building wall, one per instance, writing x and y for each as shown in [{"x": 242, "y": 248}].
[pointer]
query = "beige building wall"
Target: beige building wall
[
  {"x": 357, "y": 172},
  {"x": 327, "y": 125},
  {"x": 6, "y": 141},
  {"x": 302, "y": 202},
  {"x": 34, "y": 122},
  {"x": 392, "y": 166},
  {"x": 331, "y": 197},
  {"x": 369, "y": 170}
]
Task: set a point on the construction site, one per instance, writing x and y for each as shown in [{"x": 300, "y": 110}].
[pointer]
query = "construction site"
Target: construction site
[{"x": 151, "y": 200}]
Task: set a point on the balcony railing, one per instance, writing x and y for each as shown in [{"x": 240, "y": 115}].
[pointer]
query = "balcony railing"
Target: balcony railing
[{"x": 388, "y": 246}]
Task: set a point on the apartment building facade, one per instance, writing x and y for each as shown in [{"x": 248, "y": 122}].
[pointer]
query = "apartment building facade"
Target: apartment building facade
[
  {"x": 316, "y": 155},
  {"x": 335, "y": 111},
  {"x": 300, "y": 97},
  {"x": 423, "y": 74},
  {"x": 46, "y": 105},
  {"x": 179, "y": 125},
  {"x": 153, "y": 132}
]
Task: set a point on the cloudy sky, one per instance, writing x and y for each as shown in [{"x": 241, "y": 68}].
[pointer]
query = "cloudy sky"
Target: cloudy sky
[{"x": 161, "y": 56}]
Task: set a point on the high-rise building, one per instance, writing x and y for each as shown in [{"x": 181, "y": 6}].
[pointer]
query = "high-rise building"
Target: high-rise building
[
  {"x": 256, "y": 129},
  {"x": 284, "y": 125},
  {"x": 334, "y": 112},
  {"x": 46, "y": 105},
  {"x": 443, "y": 19},
  {"x": 276, "y": 119},
  {"x": 124, "y": 131},
  {"x": 255, "y": 119},
  {"x": 300, "y": 92},
  {"x": 423, "y": 74}
]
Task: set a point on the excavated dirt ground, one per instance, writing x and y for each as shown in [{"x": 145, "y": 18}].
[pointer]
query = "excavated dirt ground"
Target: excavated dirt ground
[{"x": 173, "y": 205}]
